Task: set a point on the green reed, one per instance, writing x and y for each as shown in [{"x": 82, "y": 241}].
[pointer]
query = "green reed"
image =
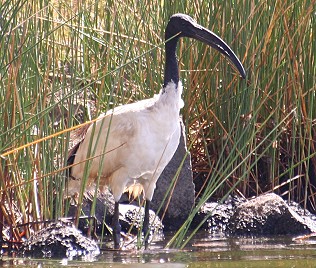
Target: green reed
[{"x": 63, "y": 63}]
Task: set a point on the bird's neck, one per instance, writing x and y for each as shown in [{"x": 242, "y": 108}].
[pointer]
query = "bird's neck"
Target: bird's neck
[{"x": 171, "y": 66}]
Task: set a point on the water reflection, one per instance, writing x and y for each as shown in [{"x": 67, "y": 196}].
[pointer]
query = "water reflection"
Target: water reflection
[{"x": 204, "y": 251}]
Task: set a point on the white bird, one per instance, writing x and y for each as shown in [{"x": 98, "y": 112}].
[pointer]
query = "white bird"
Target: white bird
[{"x": 134, "y": 142}]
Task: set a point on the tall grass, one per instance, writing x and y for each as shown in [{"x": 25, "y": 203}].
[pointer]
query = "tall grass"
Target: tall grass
[{"x": 63, "y": 62}]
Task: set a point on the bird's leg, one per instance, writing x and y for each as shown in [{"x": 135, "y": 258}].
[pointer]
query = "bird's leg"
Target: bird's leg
[
  {"x": 116, "y": 227},
  {"x": 146, "y": 223}
]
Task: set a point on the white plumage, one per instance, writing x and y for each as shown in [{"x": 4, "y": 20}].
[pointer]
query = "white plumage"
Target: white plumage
[{"x": 139, "y": 139}]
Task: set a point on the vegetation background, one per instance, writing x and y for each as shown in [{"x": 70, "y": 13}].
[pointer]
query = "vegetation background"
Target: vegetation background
[{"x": 63, "y": 62}]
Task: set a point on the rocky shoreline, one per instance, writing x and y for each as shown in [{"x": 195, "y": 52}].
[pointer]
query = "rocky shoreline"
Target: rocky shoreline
[{"x": 265, "y": 215}]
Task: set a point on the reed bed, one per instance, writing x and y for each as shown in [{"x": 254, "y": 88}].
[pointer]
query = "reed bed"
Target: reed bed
[{"x": 63, "y": 62}]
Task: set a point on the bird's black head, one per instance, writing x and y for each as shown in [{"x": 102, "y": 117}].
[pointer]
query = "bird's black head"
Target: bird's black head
[{"x": 181, "y": 25}]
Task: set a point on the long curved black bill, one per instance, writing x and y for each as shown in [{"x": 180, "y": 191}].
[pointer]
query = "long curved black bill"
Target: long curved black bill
[{"x": 206, "y": 36}]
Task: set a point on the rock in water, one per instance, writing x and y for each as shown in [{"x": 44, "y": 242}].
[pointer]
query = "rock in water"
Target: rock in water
[
  {"x": 131, "y": 216},
  {"x": 182, "y": 200},
  {"x": 59, "y": 239},
  {"x": 268, "y": 214},
  {"x": 131, "y": 219}
]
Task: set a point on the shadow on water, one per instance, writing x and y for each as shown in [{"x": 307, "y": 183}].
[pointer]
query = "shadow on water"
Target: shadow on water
[{"x": 203, "y": 252}]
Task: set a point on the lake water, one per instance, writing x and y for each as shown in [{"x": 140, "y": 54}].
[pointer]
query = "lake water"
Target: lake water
[{"x": 203, "y": 252}]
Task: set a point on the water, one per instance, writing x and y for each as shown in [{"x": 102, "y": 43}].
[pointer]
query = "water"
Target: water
[{"x": 203, "y": 252}]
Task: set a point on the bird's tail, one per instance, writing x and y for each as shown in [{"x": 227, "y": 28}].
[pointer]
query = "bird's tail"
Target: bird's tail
[
  {"x": 71, "y": 158},
  {"x": 76, "y": 138}
]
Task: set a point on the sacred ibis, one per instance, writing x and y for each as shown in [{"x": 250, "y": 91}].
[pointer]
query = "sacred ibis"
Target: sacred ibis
[{"x": 134, "y": 142}]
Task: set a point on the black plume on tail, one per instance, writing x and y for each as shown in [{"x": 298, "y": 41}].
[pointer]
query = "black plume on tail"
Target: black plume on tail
[{"x": 71, "y": 159}]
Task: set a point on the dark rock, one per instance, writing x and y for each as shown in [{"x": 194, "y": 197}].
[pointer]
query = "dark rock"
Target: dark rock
[
  {"x": 308, "y": 217},
  {"x": 131, "y": 216},
  {"x": 104, "y": 211},
  {"x": 265, "y": 215},
  {"x": 268, "y": 214},
  {"x": 59, "y": 240},
  {"x": 218, "y": 215},
  {"x": 176, "y": 210}
]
